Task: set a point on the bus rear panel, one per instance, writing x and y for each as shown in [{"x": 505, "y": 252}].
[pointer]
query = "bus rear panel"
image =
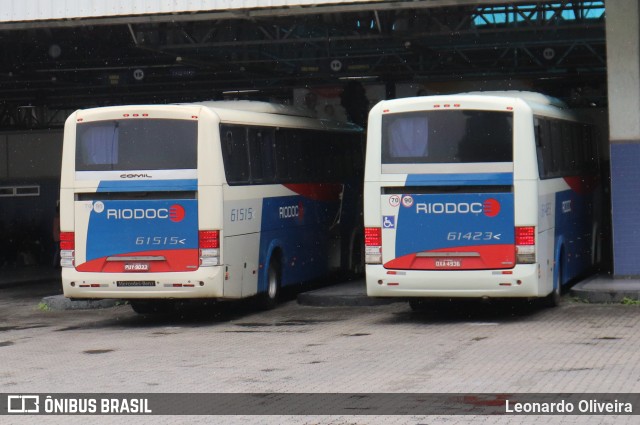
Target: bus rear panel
[
  {"x": 219, "y": 200},
  {"x": 130, "y": 211},
  {"x": 447, "y": 214}
]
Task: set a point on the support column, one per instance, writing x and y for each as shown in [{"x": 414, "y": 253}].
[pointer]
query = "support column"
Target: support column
[{"x": 623, "y": 68}]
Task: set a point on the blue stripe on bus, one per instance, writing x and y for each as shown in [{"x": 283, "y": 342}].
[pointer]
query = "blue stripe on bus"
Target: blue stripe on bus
[
  {"x": 150, "y": 185},
  {"x": 166, "y": 224},
  {"x": 300, "y": 227},
  {"x": 460, "y": 179},
  {"x": 574, "y": 229}
]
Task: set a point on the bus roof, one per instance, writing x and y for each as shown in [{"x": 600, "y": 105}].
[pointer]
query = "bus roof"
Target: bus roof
[
  {"x": 527, "y": 96},
  {"x": 539, "y": 103},
  {"x": 256, "y": 106},
  {"x": 245, "y": 111},
  {"x": 274, "y": 112}
]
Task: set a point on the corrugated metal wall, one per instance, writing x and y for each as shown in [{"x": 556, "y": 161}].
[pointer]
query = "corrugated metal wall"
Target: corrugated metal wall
[{"x": 34, "y": 10}]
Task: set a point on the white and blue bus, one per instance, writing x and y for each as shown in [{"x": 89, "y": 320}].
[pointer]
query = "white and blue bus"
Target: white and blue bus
[
  {"x": 217, "y": 200},
  {"x": 479, "y": 195}
]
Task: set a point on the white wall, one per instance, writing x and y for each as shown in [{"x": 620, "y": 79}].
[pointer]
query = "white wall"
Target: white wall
[
  {"x": 623, "y": 69},
  {"x": 31, "y": 10}
]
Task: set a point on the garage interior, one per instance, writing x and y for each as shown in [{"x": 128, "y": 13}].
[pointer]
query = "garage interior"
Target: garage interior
[{"x": 314, "y": 56}]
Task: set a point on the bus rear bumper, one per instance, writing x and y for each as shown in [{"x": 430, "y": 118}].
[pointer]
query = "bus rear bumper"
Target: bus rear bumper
[
  {"x": 206, "y": 282},
  {"x": 520, "y": 282}
]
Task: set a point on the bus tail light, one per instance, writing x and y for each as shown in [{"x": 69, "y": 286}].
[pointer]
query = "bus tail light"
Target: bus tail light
[
  {"x": 209, "y": 243},
  {"x": 67, "y": 249},
  {"x": 526, "y": 245},
  {"x": 373, "y": 245}
]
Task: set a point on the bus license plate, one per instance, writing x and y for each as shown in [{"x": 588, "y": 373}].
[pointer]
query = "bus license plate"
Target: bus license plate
[
  {"x": 449, "y": 263},
  {"x": 136, "y": 267},
  {"x": 134, "y": 283}
]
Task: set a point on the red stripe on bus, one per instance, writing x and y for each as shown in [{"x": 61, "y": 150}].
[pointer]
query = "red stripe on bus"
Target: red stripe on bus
[
  {"x": 317, "y": 191},
  {"x": 490, "y": 257},
  {"x": 582, "y": 184},
  {"x": 176, "y": 260}
]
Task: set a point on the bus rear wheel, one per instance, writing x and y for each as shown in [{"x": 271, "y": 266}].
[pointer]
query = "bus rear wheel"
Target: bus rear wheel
[
  {"x": 269, "y": 299},
  {"x": 356, "y": 266},
  {"x": 554, "y": 298}
]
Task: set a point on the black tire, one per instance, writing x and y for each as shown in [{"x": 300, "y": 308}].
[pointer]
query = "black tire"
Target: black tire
[
  {"x": 356, "y": 268},
  {"x": 270, "y": 298},
  {"x": 418, "y": 304},
  {"x": 555, "y": 297},
  {"x": 597, "y": 253},
  {"x": 151, "y": 307}
]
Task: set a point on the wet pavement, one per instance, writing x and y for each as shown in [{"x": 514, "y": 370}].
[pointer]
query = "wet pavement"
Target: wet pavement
[{"x": 599, "y": 288}]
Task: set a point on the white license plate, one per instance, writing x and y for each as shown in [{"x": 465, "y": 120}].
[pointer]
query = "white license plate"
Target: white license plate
[
  {"x": 449, "y": 264},
  {"x": 136, "y": 267},
  {"x": 135, "y": 283}
]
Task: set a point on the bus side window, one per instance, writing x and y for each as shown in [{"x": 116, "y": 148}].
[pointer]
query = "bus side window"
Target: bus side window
[
  {"x": 235, "y": 153},
  {"x": 324, "y": 152},
  {"x": 566, "y": 143},
  {"x": 268, "y": 146},
  {"x": 537, "y": 127},
  {"x": 590, "y": 148},
  {"x": 555, "y": 142},
  {"x": 547, "y": 163},
  {"x": 261, "y": 155},
  {"x": 578, "y": 148},
  {"x": 339, "y": 166},
  {"x": 282, "y": 157},
  {"x": 310, "y": 156}
]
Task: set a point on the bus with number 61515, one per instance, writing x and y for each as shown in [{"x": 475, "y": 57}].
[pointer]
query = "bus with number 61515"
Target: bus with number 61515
[{"x": 212, "y": 200}]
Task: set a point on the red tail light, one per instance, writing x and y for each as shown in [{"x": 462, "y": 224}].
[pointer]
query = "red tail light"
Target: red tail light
[
  {"x": 67, "y": 241},
  {"x": 372, "y": 245},
  {"x": 525, "y": 245},
  {"x": 209, "y": 239},
  {"x": 67, "y": 249},
  {"x": 372, "y": 236},
  {"x": 526, "y": 235}
]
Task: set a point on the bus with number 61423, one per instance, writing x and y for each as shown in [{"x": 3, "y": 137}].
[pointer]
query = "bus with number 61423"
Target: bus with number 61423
[{"x": 479, "y": 195}]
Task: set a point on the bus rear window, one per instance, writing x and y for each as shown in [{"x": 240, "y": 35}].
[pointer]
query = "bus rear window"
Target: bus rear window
[
  {"x": 447, "y": 136},
  {"x": 136, "y": 144}
]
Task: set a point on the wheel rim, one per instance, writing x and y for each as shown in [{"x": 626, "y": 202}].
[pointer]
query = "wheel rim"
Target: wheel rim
[{"x": 272, "y": 290}]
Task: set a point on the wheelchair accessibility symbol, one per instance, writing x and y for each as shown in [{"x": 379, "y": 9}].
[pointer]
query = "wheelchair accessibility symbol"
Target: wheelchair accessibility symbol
[{"x": 388, "y": 221}]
